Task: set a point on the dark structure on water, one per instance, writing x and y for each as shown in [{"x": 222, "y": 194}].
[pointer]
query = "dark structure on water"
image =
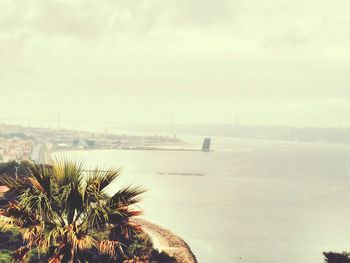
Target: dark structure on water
[{"x": 206, "y": 145}]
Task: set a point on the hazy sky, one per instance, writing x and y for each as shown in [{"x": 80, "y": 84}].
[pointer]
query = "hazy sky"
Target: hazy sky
[{"x": 208, "y": 61}]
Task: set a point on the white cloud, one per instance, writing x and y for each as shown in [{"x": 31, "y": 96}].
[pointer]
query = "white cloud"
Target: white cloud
[{"x": 264, "y": 56}]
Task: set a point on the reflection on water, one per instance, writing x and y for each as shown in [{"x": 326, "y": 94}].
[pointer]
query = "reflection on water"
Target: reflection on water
[{"x": 257, "y": 201}]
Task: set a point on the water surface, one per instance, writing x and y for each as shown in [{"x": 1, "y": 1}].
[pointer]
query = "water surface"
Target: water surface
[{"x": 258, "y": 201}]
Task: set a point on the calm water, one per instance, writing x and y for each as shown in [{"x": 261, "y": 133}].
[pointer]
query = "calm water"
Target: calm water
[{"x": 258, "y": 201}]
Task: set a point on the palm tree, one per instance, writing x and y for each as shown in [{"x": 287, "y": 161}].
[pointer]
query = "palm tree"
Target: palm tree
[{"x": 62, "y": 210}]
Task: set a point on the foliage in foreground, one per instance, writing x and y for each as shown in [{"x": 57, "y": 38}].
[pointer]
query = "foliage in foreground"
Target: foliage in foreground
[
  {"x": 61, "y": 212},
  {"x": 10, "y": 240},
  {"x": 11, "y": 168},
  {"x": 139, "y": 250},
  {"x": 5, "y": 256},
  {"x": 331, "y": 257}
]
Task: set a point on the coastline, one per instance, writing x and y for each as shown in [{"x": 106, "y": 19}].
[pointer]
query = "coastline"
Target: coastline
[
  {"x": 165, "y": 240},
  {"x": 73, "y": 149},
  {"x": 162, "y": 239}
]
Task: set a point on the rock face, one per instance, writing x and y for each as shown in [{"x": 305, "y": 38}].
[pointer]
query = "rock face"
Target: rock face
[{"x": 164, "y": 240}]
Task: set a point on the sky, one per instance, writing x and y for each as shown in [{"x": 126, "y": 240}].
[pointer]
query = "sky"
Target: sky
[{"x": 275, "y": 62}]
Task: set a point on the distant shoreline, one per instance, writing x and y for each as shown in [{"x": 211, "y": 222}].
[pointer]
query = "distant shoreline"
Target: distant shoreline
[{"x": 77, "y": 149}]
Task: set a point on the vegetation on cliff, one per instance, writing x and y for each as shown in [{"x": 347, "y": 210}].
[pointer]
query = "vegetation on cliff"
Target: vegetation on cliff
[{"x": 61, "y": 213}]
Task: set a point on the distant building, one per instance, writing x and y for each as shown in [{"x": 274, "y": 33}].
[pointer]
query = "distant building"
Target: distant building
[{"x": 206, "y": 145}]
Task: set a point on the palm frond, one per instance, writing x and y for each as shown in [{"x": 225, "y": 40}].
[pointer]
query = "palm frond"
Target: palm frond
[
  {"x": 54, "y": 233},
  {"x": 122, "y": 216},
  {"x": 71, "y": 196},
  {"x": 37, "y": 201},
  {"x": 101, "y": 177},
  {"x": 56, "y": 259},
  {"x": 21, "y": 254},
  {"x": 34, "y": 237},
  {"x": 19, "y": 216},
  {"x": 8, "y": 223},
  {"x": 127, "y": 196},
  {"x": 125, "y": 231},
  {"x": 16, "y": 185},
  {"x": 60, "y": 209},
  {"x": 68, "y": 171},
  {"x": 109, "y": 247},
  {"x": 92, "y": 194},
  {"x": 4, "y": 189},
  {"x": 85, "y": 242},
  {"x": 69, "y": 177},
  {"x": 96, "y": 217},
  {"x": 39, "y": 176}
]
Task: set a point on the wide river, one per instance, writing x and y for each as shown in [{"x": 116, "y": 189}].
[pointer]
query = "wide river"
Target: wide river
[{"x": 258, "y": 201}]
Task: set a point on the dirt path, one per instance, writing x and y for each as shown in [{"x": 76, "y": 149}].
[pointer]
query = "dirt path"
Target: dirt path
[
  {"x": 164, "y": 240},
  {"x": 159, "y": 242}
]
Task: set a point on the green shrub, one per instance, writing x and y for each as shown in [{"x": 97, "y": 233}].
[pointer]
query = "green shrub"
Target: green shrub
[
  {"x": 141, "y": 246},
  {"x": 5, "y": 256},
  {"x": 10, "y": 240}
]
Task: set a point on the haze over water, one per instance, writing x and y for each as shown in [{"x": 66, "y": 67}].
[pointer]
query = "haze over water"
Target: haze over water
[
  {"x": 258, "y": 201},
  {"x": 106, "y": 65}
]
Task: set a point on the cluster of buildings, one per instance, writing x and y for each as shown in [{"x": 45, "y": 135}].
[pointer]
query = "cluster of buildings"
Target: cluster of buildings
[
  {"x": 114, "y": 141},
  {"x": 15, "y": 149},
  {"x": 19, "y": 143}
]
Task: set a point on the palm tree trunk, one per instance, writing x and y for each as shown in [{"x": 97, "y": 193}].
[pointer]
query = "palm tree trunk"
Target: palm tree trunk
[{"x": 70, "y": 216}]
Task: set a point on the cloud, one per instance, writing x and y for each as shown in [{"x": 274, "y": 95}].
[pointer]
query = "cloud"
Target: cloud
[
  {"x": 292, "y": 36},
  {"x": 231, "y": 51},
  {"x": 94, "y": 19},
  {"x": 203, "y": 13}
]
